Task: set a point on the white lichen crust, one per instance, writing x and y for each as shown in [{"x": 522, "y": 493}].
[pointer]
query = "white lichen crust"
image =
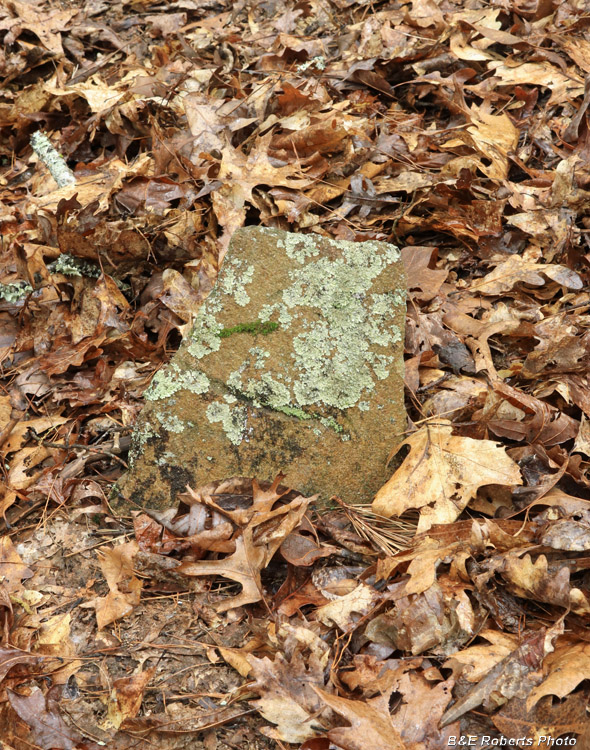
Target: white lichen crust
[
  {"x": 236, "y": 276},
  {"x": 233, "y": 421},
  {"x": 52, "y": 159},
  {"x": 168, "y": 382},
  {"x": 344, "y": 335}
]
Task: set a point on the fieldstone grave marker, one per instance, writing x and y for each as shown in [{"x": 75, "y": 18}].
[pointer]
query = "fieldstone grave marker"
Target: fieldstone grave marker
[{"x": 294, "y": 363}]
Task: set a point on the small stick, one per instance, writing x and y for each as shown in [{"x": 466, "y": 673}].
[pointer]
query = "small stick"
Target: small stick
[{"x": 52, "y": 159}]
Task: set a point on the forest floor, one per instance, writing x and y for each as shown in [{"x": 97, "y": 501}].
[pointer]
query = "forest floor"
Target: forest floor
[{"x": 457, "y": 605}]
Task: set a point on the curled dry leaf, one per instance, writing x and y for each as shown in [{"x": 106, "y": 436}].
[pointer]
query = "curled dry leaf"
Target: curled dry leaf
[
  {"x": 288, "y": 686},
  {"x": 345, "y": 611},
  {"x": 442, "y": 473},
  {"x": 425, "y": 282},
  {"x": 11, "y": 657},
  {"x": 48, "y": 730},
  {"x": 529, "y": 418},
  {"x": 535, "y": 580},
  {"x": 565, "y": 669},
  {"x": 124, "y": 587},
  {"x": 494, "y": 137},
  {"x": 516, "y": 268},
  {"x": 302, "y": 548},
  {"x": 125, "y": 699},
  {"x": 568, "y": 534},
  {"x": 417, "y": 718},
  {"x": 440, "y": 620},
  {"x": 370, "y": 724},
  {"x": 256, "y": 542},
  {"x": 475, "y": 662},
  {"x": 515, "y": 675},
  {"x": 547, "y": 718}
]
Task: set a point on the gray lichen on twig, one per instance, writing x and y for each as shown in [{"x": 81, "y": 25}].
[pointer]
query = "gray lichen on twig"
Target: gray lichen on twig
[{"x": 52, "y": 159}]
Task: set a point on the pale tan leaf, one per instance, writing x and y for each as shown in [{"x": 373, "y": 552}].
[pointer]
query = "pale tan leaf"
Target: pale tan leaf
[
  {"x": 287, "y": 687},
  {"x": 567, "y": 667},
  {"x": 370, "y": 724},
  {"x": 442, "y": 473},
  {"x": 518, "y": 269},
  {"x": 125, "y": 588},
  {"x": 346, "y": 610}
]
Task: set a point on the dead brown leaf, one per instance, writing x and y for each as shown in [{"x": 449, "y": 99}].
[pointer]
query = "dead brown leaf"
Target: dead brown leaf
[
  {"x": 442, "y": 473},
  {"x": 125, "y": 588},
  {"x": 261, "y": 533},
  {"x": 370, "y": 724}
]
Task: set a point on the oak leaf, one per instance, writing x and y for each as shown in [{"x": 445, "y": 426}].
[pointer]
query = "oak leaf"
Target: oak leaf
[
  {"x": 370, "y": 724},
  {"x": 263, "y": 530},
  {"x": 442, "y": 473},
  {"x": 124, "y": 587},
  {"x": 288, "y": 685},
  {"x": 565, "y": 669}
]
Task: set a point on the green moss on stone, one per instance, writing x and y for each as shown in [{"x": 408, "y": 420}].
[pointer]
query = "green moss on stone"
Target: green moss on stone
[
  {"x": 332, "y": 424},
  {"x": 292, "y": 411}
]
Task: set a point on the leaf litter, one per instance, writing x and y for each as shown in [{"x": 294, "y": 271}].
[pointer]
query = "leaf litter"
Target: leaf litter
[{"x": 456, "y": 601}]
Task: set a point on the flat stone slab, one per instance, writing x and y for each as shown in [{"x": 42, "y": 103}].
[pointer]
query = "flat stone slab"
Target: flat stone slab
[{"x": 294, "y": 364}]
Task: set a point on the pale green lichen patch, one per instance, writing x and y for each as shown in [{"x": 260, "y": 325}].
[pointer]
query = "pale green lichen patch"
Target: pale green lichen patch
[
  {"x": 205, "y": 337},
  {"x": 342, "y": 325},
  {"x": 15, "y": 292},
  {"x": 260, "y": 356},
  {"x": 334, "y": 357},
  {"x": 140, "y": 438},
  {"x": 166, "y": 459},
  {"x": 237, "y": 274},
  {"x": 172, "y": 423},
  {"x": 233, "y": 421},
  {"x": 169, "y": 381},
  {"x": 300, "y": 247},
  {"x": 263, "y": 391}
]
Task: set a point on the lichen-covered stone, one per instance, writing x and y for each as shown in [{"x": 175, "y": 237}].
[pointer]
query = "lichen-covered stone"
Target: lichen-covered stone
[{"x": 294, "y": 364}]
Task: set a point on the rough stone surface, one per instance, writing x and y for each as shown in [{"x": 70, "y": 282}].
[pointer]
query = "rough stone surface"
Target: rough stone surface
[{"x": 294, "y": 363}]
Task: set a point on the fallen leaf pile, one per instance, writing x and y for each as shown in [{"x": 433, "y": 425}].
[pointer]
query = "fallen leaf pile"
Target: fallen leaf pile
[{"x": 456, "y": 602}]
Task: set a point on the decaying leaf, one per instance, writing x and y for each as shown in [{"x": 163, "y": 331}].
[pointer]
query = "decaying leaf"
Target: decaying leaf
[
  {"x": 439, "y": 620},
  {"x": 288, "y": 686},
  {"x": 518, "y": 269},
  {"x": 515, "y": 675},
  {"x": 442, "y": 473},
  {"x": 48, "y": 728},
  {"x": 117, "y": 567},
  {"x": 370, "y": 724},
  {"x": 545, "y": 719},
  {"x": 565, "y": 668},
  {"x": 255, "y": 543},
  {"x": 125, "y": 699},
  {"x": 535, "y": 580}
]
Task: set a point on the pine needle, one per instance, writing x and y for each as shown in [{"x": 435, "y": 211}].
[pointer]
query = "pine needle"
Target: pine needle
[{"x": 388, "y": 535}]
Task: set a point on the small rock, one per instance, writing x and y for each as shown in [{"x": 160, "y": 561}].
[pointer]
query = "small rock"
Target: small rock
[{"x": 294, "y": 364}]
